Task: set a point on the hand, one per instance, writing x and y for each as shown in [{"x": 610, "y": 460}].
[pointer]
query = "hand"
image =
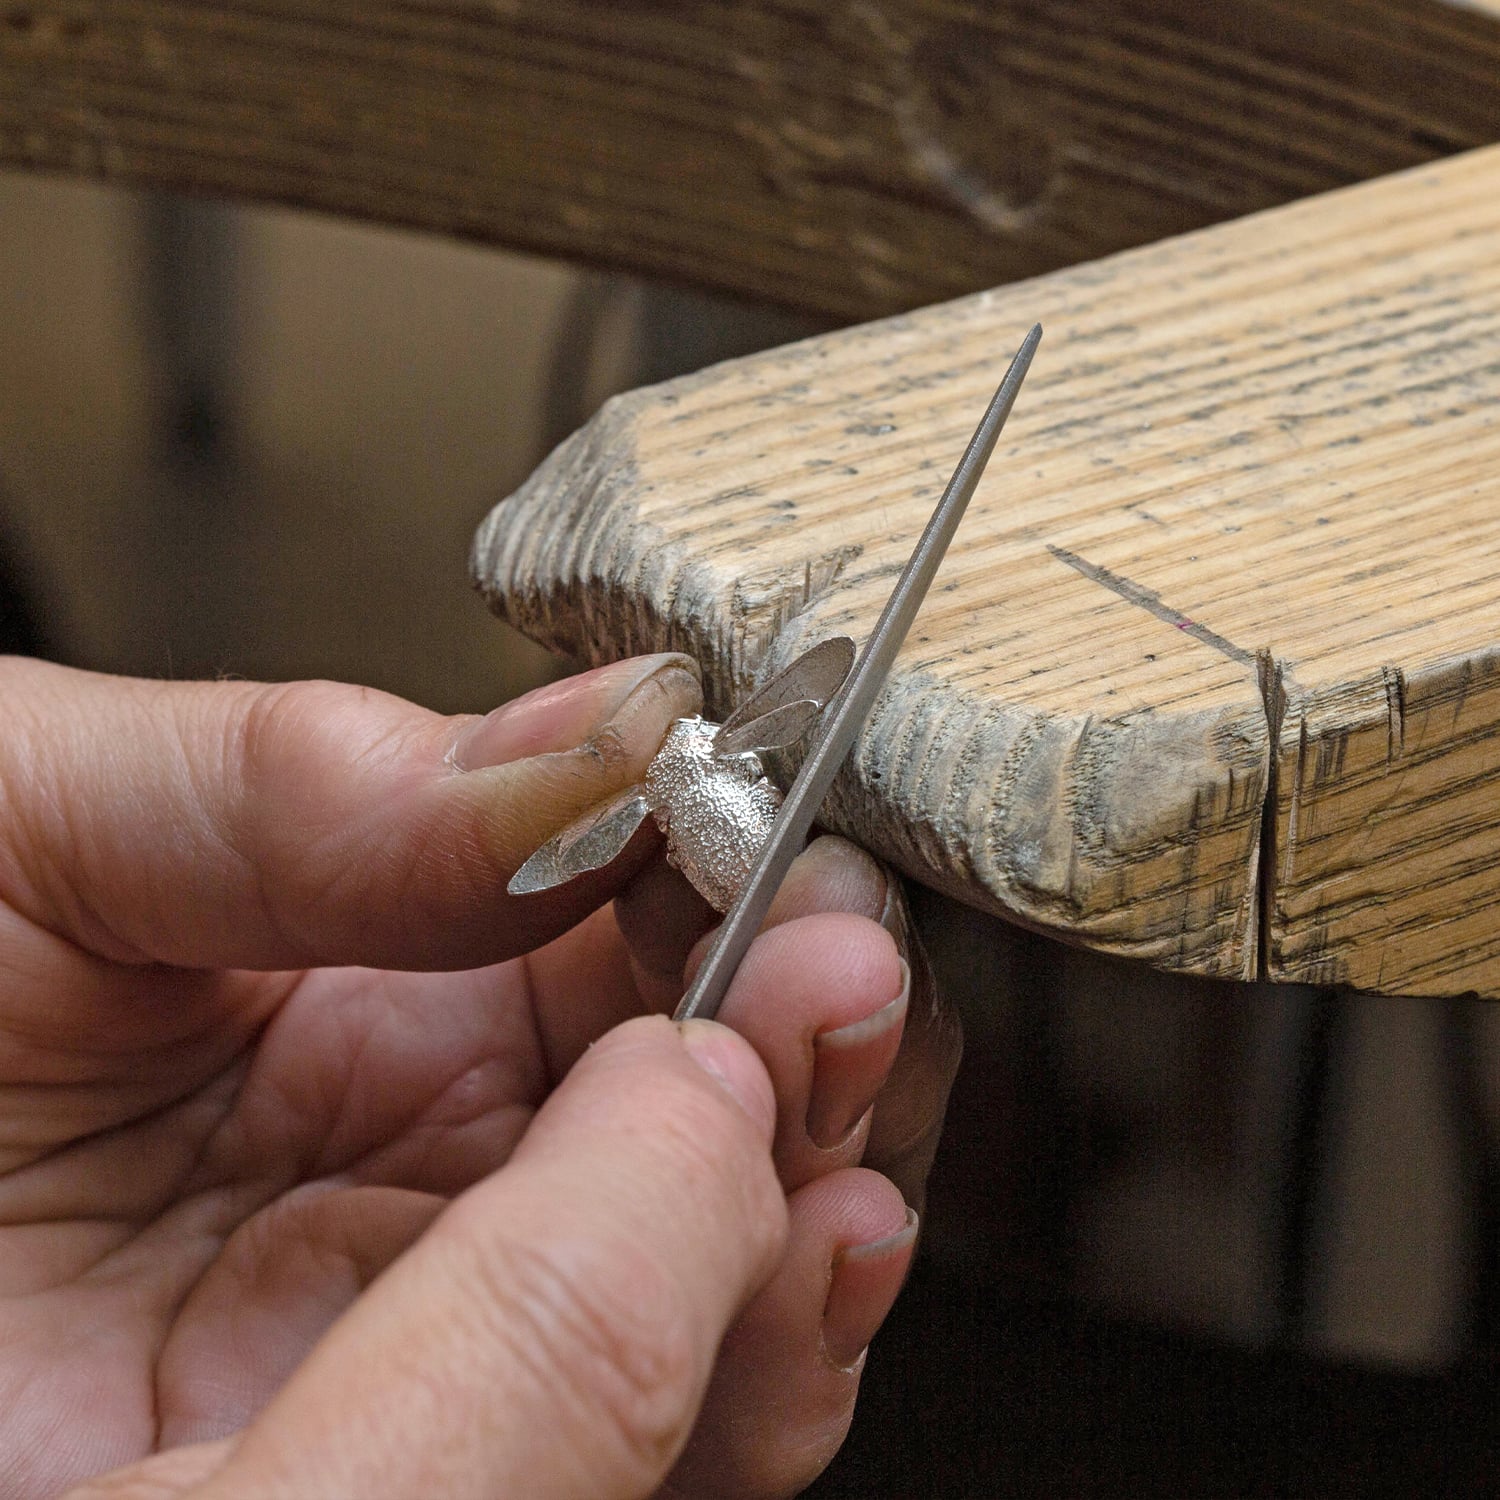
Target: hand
[{"x": 468, "y": 1221}]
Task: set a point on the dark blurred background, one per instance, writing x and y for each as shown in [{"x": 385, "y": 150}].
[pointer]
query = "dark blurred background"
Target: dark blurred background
[
  {"x": 246, "y": 440},
  {"x": 1185, "y": 1238}
]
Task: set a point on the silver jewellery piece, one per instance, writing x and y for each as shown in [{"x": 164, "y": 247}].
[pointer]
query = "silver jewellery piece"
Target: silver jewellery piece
[
  {"x": 705, "y": 787},
  {"x": 728, "y": 829}
]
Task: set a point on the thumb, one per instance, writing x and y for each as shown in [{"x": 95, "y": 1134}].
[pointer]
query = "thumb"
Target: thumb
[
  {"x": 553, "y": 1332},
  {"x": 274, "y": 827}
]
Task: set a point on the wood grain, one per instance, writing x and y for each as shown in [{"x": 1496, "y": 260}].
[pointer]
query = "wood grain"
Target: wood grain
[
  {"x": 1210, "y": 678},
  {"x": 851, "y": 157}
]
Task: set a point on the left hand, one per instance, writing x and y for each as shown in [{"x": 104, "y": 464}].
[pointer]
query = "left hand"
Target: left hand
[{"x": 216, "y": 1133}]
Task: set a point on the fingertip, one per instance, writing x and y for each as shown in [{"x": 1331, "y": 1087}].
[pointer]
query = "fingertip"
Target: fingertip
[
  {"x": 851, "y": 1207},
  {"x": 828, "y": 969},
  {"x": 867, "y": 1278},
  {"x": 832, "y": 874}
]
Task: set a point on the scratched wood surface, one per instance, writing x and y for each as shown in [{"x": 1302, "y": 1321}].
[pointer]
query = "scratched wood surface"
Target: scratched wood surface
[
  {"x": 1212, "y": 675},
  {"x": 850, "y": 157}
]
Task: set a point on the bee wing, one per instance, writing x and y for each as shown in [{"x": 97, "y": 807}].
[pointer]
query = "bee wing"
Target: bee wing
[
  {"x": 782, "y": 726},
  {"x": 813, "y": 677},
  {"x": 587, "y": 843}
]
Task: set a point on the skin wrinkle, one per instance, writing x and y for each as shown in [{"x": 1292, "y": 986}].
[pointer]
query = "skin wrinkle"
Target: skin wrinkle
[
  {"x": 280, "y": 914},
  {"x": 91, "y": 1049},
  {"x": 340, "y": 1247},
  {"x": 235, "y": 762},
  {"x": 234, "y": 1041},
  {"x": 237, "y": 1006},
  {"x": 59, "y": 905},
  {"x": 413, "y": 875},
  {"x": 197, "y": 1182},
  {"x": 87, "y": 923},
  {"x": 187, "y": 1197},
  {"x": 162, "y": 1320},
  {"x": 13, "y": 798},
  {"x": 30, "y": 899},
  {"x": 287, "y": 1108},
  {"x": 28, "y": 796},
  {"x": 374, "y": 1167},
  {"x": 327, "y": 1222},
  {"x": 399, "y": 1128},
  {"x": 321, "y": 1124},
  {"x": 16, "y": 1182},
  {"x": 326, "y": 1175},
  {"x": 358, "y": 1034},
  {"x": 49, "y": 1255},
  {"x": 427, "y": 863},
  {"x": 39, "y": 807},
  {"x": 52, "y": 1429}
]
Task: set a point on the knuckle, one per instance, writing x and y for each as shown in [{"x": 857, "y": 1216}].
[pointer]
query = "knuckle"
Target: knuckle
[
  {"x": 275, "y": 711},
  {"x": 262, "y": 751},
  {"x": 611, "y": 1348}
]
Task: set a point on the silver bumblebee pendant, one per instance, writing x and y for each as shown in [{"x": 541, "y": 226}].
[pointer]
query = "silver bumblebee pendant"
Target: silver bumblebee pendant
[{"x": 706, "y": 787}]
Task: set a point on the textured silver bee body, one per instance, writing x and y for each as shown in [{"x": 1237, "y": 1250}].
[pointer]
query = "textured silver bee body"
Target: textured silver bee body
[
  {"x": 716, "y": 810},
  {"x": 705, "y": 788}
]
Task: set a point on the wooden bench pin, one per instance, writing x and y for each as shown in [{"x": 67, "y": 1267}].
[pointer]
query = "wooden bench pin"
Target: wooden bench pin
[{"x": 727, "y": 828}]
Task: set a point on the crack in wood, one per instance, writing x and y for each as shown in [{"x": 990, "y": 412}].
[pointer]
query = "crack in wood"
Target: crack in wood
[
  {"x": 1269, "y": 679},
  {"x": 1272, "y": 682}
]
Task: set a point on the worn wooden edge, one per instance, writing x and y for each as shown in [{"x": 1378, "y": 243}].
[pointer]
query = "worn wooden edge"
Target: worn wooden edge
[
  {"x": 954, "y": 796},
  {"x": 848, "y": 158},
  {"x": 954, "y": 792}
]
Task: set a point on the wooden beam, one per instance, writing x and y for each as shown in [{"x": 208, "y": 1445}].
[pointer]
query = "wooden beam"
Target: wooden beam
[
  {"x": 850, "y": 157},
  {"x": 1212, "y": 676}
]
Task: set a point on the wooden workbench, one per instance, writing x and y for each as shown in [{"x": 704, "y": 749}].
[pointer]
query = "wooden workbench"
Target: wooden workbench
[{"x": 1212, "y": 675}]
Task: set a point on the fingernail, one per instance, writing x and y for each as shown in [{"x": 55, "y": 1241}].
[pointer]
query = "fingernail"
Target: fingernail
[
  {"x": 732, "y": 1063},
  {"x": 866, "y": 1281},
  {"x": 849, "y": 1067},
  {"x": 565, "y": 714}
]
